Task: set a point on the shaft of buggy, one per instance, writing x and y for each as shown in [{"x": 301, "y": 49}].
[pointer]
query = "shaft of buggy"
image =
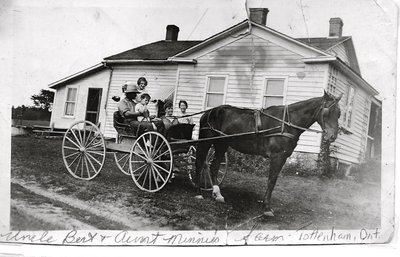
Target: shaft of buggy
[{"x": 224, "y": 136}]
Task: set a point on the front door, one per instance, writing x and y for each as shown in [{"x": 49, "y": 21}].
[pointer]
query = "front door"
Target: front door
[{"x": 93, "y": 105}]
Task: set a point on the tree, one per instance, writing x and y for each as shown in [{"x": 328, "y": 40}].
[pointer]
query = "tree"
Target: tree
[{"x": 44, "y": 99}]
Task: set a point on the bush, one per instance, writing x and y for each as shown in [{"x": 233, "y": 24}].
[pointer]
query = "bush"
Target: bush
[
  {"x": 301, "y": 164},
  {"x": 246, "y": 163}
]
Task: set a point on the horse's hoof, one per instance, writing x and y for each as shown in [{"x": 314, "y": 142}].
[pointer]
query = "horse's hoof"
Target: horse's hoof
[
  {"x": 220, "y": 199},
  {"x": 269, "y": 213},
  {"x": 199, "y": 197}
]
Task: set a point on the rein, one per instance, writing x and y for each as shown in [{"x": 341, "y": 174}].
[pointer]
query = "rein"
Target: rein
[{"x": 321, "y": 110}]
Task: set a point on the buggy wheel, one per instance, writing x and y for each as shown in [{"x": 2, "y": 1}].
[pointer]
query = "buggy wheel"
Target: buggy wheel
[
  {"x": 122, "y": 160},
  {"x": 205, "y": 176},
  {"x": 83, "y": 150},
  {"x": 150, "y": 162}
]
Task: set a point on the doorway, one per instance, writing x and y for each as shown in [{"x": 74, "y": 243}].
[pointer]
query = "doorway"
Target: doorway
[{"x": 93, "y": 105}]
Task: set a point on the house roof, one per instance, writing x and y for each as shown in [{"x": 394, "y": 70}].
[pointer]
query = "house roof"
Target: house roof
[
  {"x": 78, "y": 75},
  {"x": 328, "y": 44},
  {"x": 323, "y": 43},
  {"x": 160, "y": 50}
]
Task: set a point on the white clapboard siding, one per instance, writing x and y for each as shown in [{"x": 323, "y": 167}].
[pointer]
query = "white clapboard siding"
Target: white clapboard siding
[
  {"x": 235, "y": 61},
  {"x": 340, "y": 51},
  {"x": 351, "y": 147},
  {"x": 157, "y": 76},
  {"x": 96, "y": 80}
]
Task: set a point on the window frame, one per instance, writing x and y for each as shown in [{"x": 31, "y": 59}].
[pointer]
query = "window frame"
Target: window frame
[
  {"x": 66, "y": 101},
  {"x": 332, "y": 80},
  {"x": 264, "y": 89},
  {"x": 206, "y": 93},
  {"x": 345, "y": 119}
]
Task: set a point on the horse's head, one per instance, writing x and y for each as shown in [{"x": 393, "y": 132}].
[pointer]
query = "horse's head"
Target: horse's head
[{"x": 328, "y": 116}]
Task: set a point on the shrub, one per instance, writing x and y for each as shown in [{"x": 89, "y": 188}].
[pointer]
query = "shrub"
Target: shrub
[{"x": 246, "y": 163}]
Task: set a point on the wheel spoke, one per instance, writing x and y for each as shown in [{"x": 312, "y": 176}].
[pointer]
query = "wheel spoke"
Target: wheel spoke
[
  {"x": 95, "y": 145},
  {"x": 154, "y": 148},
  {"x": 77, "y": 140},
  {"x": 166, "y": 151},
  {"x": 158, "y": 174},
  {"x": 139, "y": 168},
  {"x": 94, "y": 152},
  {"x": 143, "y": 158},
  {"x": 87, "y": 166},
  {"x": 84, "y": 134},
  {"x": 91, "y": 164},
  {"x": 80, "y": 136},
  {"x": 69, "y": 139},
  {"x": 158, "y": 149},
  {"x": 94, "y": 138},
  {"x": 145, "y": 176},
  {"x": 161, "y": 168},
  {"x": 149, "y": 171},
  {"x": 77, "y": 165},
  {"x": 88, "y": 136},
  {"x": 156, "y": 178},
  {"x": 123, "y": 156},
  {"x": 161, "y": 161},
  {"x": 144, "y": 152},
  {"x": 82, "y": 167},
  {"x": 145, "y": 146},
  {"x": 94, "y": 159},
  {"x": 72, "y": 148},
  {"x": 72, "y": 154},
  {"x": 74, "y": 160},
  {"x": 125, "y": 162}
]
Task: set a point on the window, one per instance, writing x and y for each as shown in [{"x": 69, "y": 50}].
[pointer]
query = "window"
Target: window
[
  {"x": 273, "y": 92},
  {"x": 347, "y": 117},
  {"x": 215, "y": 91},
  {"x": 70, "y": 102},
  {"x": 332, "y": 80}
]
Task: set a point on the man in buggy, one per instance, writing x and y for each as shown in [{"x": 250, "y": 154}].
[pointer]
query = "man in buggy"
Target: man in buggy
[{"x": 126, "y": 108}]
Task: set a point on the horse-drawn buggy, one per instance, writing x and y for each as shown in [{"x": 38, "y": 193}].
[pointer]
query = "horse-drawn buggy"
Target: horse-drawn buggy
[{"x": 151, "y": 158}]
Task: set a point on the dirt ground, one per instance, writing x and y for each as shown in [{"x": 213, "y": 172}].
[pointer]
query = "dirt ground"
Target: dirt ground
[{"x": 45, "y": 197}]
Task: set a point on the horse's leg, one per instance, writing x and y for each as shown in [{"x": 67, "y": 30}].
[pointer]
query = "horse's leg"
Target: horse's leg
[
  {"x": 220, "y": 149},
  {"x": 201, "y": 154},
  {"x": 276, "y": 163}
]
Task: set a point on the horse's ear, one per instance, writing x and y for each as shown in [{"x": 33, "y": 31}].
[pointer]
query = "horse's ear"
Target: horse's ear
[
  {"x": 339, "y": 97},
  {"x": 327, "y": 96}
]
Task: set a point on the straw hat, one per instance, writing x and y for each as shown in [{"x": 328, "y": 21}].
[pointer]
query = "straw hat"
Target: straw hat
[{"x": 130, "y": 87}]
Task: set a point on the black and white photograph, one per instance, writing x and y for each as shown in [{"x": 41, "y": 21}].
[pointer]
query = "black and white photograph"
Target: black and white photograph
[{"x": 198, "y": 123}]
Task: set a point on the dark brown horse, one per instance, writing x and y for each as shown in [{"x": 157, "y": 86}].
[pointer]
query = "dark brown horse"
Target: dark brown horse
[{"x": 276, "y": 139}]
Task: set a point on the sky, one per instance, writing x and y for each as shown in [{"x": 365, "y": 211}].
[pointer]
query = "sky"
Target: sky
[{"x": 49, "y": 40}]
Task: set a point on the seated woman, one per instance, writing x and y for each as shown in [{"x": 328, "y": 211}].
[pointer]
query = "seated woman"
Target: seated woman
[
  {"x": 168, "y": 119},
  {"x": 183, "y": 105}
]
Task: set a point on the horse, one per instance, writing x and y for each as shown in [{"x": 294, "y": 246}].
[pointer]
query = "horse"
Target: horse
[{"x": 263, "y": 132}]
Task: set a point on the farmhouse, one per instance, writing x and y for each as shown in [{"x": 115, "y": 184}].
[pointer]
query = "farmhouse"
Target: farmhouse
[{"x": 248, "y": 65}]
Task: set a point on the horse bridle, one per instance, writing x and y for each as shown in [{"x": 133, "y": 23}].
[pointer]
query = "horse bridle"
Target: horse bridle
[{"x": 323, "y": 111}]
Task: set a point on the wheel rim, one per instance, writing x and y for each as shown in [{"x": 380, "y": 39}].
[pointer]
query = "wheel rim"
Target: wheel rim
[
  {"x": 150, "y": 162},
  {"x": 122, "y": 160},
  {"x": 205, "y": 176},
  {"x": 83, "y": 150}
]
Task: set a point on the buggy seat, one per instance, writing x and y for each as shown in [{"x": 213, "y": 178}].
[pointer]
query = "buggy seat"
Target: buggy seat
[
  {"x": 121, "y": 127},
  {"x": 180, "y": 131}
]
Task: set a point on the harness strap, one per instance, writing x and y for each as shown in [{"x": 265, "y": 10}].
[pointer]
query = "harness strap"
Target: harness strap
[
  {"x": 290, "y": 124},
  {"x": 257, "y": 120}
]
